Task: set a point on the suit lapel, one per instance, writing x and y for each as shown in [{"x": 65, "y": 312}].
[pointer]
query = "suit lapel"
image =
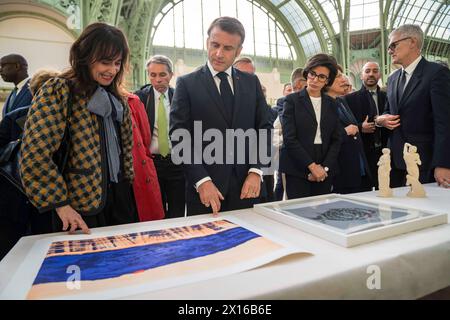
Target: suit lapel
[
  {"x": 150, "y": 108},
  {"x": 395, "y": 92},
  {"x": 308, "y": 105},
  {"x": 213, "y": 92},
  {"x": 20, "y": 96},
  {"x": 237, "y": 88},
  {"x": 416, "y": 78}
]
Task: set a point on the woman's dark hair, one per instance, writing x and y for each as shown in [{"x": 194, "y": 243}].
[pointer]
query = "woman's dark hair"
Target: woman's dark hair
[
  {"x": 98, "y": 41},
  {"x": 322, "y": 60}
]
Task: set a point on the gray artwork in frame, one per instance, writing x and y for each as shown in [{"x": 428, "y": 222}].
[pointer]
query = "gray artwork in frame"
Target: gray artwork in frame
[{"x": 347, "y": 221}]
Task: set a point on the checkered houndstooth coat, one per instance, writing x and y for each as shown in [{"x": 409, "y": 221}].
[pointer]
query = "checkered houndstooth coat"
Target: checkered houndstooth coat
[{"x": 84, "y": 183}]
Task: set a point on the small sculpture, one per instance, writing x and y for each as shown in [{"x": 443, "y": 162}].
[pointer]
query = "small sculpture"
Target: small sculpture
[
  {"x": 412, "y": 160},
  {"x": 384, "y": 170}
]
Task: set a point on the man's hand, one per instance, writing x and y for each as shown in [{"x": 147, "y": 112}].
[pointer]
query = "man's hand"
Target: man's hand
[
  {"x": 210, "y": 196},
  {"x": 351, "y": 130},
  {"x": 318, "y": 173},
  {"x": 389, "y": 121},
  {"x": 442, "y": 176},
  {"x": 368, "y": 127},
  {"x": 70, "y": 217},
  {"x": 252, "y": 186}
]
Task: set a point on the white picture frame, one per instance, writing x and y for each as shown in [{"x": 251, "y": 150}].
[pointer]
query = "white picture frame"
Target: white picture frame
[{"x": 332, "y": 217}]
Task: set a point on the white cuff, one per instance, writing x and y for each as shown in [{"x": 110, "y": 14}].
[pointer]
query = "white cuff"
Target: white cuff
[
  {"x": 201, "y": 181},
  {"x": 257, "y": 171}
]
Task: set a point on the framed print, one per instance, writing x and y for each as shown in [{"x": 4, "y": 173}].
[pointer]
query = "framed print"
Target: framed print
[
  {"x": 139, "y": 258},
  {"x": 349, "y": 221}
]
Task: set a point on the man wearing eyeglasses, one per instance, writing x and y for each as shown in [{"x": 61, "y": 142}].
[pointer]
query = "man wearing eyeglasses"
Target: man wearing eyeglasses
[
  {"x": 417, "y": 109},
  {"x": 14, "y": 68}
]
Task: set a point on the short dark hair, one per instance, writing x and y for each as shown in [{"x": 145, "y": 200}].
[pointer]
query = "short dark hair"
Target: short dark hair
[
  {"x": 160, "y": 59},
  {"x": 286, "y": 84},
  {"x": 296, "y": 74},
  {"x": 322, "y": 60},
  {"x": 229, "y": 25}
]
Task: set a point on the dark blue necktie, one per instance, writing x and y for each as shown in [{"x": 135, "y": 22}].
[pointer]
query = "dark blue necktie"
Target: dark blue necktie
[
  {"x": 401, "y": 85},
  {"x": 227, "y": 95},
  {"x": 11, "y": 99}
]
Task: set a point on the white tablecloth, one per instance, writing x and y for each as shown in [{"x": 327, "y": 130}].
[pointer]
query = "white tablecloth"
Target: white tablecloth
[{"x": 412, "y": 265}]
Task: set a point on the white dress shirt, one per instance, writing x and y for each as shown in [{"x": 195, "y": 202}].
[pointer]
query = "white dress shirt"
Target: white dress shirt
[
  {"x": 410, "y": 69},
  {"x": 217, "y": 82},
  {"x": 317, "y": 105}
]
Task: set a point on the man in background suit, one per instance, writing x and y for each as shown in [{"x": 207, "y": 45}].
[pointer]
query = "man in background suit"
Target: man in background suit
[
  {"x": 418, "y": 109},
  {"x": 246, "y": 64},
  {"x": 157, "y": 98},
  {"x": 220, "y": 97},
  {"x": 14, "y": 68},
  {"x": 367, "y": 104}
]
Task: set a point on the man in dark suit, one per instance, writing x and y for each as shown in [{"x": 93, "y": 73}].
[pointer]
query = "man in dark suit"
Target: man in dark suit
[
  {"x": 157, "y": 98},
  {"x": 367, "y": 104},
  {"x": 220, "y": 99},
  {"x": 246, "y": 64},
  {"x": 14, "y": 68},
  {"x": 418, "y": 109}
]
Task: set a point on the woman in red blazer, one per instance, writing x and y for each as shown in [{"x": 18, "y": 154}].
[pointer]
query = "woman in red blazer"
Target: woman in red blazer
[{"x": 146, "y": 187}]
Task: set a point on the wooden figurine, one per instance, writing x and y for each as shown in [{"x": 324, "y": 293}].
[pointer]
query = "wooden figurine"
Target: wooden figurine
[
  {"x": 384, "y": 170},
  {"x": 412, "y": 161}
]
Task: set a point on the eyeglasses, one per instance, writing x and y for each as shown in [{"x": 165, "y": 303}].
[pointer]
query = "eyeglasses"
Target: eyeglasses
[
  {"x": 394, "y": 45},
  {"x": 321, "y": 77}
]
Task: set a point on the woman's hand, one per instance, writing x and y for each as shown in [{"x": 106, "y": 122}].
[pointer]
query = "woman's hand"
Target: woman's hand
[
  {"x": 351, "y": 130},
  {"x": 70, "y": 217},
  {"x": 318, "y": 173}
]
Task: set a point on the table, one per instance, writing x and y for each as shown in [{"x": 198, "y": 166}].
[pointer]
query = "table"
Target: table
[{"x": 411, "y": 265}]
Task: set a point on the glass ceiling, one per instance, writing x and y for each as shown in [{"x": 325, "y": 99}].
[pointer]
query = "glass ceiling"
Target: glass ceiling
[{"x": 314, "y": 22}]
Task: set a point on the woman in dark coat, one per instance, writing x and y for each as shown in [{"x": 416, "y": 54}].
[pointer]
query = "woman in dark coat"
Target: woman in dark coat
[
  {"x": 311, "y": 132},
  {"x": 353, "y": 175}
]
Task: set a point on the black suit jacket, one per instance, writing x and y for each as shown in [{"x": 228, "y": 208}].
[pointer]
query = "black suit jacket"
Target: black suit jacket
[
  {"x": 351, "y": 152},
  {"x": 424, "y": 116},
  {"x": 360, "y": 102},
  {"x": 299, "y": 130},
  {"x": 22, "y": 99},
  {"x": 197, "y": 99},
  {"x": 147, "y": 96}
]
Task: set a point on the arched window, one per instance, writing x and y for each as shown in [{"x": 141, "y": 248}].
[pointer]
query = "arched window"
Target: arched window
[{"x": 184, "y": 24}]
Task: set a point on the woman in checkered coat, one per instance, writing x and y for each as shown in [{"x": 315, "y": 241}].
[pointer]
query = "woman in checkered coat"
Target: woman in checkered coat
[{"x": 94, "y": 188}]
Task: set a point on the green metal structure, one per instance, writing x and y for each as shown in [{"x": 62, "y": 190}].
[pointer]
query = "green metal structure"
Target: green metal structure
[{"x": 352, "y": 30}]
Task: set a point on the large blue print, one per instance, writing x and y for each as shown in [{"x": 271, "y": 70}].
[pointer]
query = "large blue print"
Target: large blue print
[{"x": 115, "y": 263}]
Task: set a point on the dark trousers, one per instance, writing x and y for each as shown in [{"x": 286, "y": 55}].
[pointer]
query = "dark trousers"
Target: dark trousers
[
  {"x": 297, "y": 187},
  {"x": 18, "y": 217},
  {"x": 300, "y": 187},
  {"x": 12, "y": 231},
  {"x": 172, "y": 185},
  {"x": 232, "y": 200},
  {"x": 120, "y": 208},
  {"x": 373, "y": 155},
  {"x": 267, "y": 194},
  {"x": 366, "y": 185},
  {"x": 279, "y": 189}
]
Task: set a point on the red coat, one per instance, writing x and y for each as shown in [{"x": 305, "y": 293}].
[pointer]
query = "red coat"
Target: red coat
[{"x": 145, "y": 185}]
